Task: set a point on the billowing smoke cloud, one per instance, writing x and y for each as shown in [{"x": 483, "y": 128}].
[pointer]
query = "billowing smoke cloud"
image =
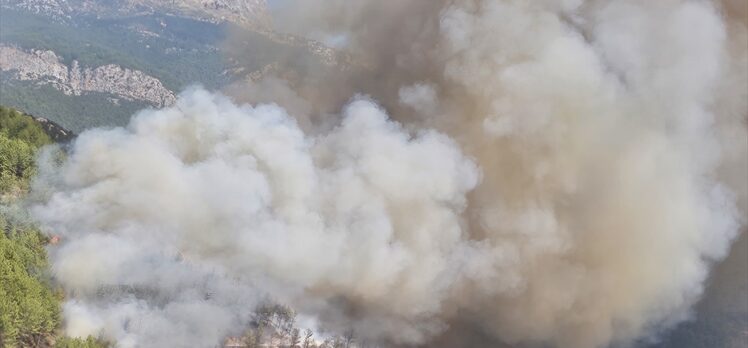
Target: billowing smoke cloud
[
  {"x": 206, "y": 207},
  {"x": 559, "y": 173}
]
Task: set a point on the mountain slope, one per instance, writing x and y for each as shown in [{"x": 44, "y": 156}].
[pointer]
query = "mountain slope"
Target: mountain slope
[
  {"x": 46, "y": 67},
  {"x": 102, "y": 51},
  {"x": 248, "y": 13}
]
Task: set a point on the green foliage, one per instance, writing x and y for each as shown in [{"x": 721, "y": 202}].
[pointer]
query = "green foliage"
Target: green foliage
[
  {"x": 88, "y": 342},
  {"x": 16, "y": 165},
  {"x": 14, "y": 124},
  {"x": 29, "y": 310},
  {"x": 20, "y": 138},
  {"x": 75, "y": 113}
]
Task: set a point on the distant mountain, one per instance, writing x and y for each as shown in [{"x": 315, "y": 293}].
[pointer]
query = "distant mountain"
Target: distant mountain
[
  {"x": 247, "y": 13},
  {"x": 87, "y": 63},
  {"x": 45, "y": 67}
]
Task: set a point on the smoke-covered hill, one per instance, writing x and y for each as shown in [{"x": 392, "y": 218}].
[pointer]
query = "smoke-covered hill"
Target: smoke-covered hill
[{"x": 470, "y": 173}]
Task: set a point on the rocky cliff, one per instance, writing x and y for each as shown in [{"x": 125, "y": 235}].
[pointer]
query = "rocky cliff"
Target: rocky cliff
[
  {"x": 247, "y": 13},
  {"x": 54, "y": 130},
  {"x": 46, "y": 67}
]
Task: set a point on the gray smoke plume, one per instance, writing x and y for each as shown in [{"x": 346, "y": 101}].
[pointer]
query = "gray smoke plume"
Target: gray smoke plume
[{"x": 557, "y": 173}]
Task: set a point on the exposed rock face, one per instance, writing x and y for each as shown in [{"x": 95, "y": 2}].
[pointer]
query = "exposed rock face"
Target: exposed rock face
[
  {"x": 253, "y": 15},
  {"x": 57, "y": 9},
  {"x": 247, "y": 13},
  {"x": 54, "y": 130},
  {"x": 47, "y": 68}
]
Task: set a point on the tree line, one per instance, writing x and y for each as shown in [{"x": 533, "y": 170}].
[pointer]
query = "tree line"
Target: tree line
[{"x": 30, "y": 305}]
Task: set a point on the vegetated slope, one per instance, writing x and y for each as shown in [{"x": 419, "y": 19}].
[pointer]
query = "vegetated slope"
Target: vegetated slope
[
  {"x": 95, "y": 44},
  {"x": 248, "y": 13},
  {"x": 30, "y": 313},
  {"x": 72, "y": 112},
  {"x": 176, "y": 51},
  {"x": 46, "y": 67}
]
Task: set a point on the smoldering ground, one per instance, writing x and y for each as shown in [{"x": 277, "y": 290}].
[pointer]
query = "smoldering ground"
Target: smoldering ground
[{"x": 559, "y": 173}]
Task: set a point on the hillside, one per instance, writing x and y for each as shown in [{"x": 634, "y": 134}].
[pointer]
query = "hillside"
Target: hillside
[
  {"x": 46, "y": 68},
  {"x": 248, "y": 13},
  {"x": 94, "y": 63},
  {"x": 31, "y": 301},
  {"x": 30, "y": 306}
]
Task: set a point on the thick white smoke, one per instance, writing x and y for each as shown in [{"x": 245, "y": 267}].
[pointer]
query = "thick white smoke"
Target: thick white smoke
[
  {"x": 178, "y": 225},
  {"x": 587, "y": 168}
]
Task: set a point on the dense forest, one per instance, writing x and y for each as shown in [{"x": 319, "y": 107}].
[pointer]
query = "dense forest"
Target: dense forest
[{"x": 30, "y": 312}]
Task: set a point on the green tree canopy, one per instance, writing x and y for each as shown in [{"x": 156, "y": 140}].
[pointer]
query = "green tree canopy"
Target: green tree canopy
[
  {"x": 29, "y": 310},
  {"x": 29, "y": 307}
]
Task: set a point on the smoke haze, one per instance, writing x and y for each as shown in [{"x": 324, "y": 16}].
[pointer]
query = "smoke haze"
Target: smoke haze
[{"x": 559, "y": 173}]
